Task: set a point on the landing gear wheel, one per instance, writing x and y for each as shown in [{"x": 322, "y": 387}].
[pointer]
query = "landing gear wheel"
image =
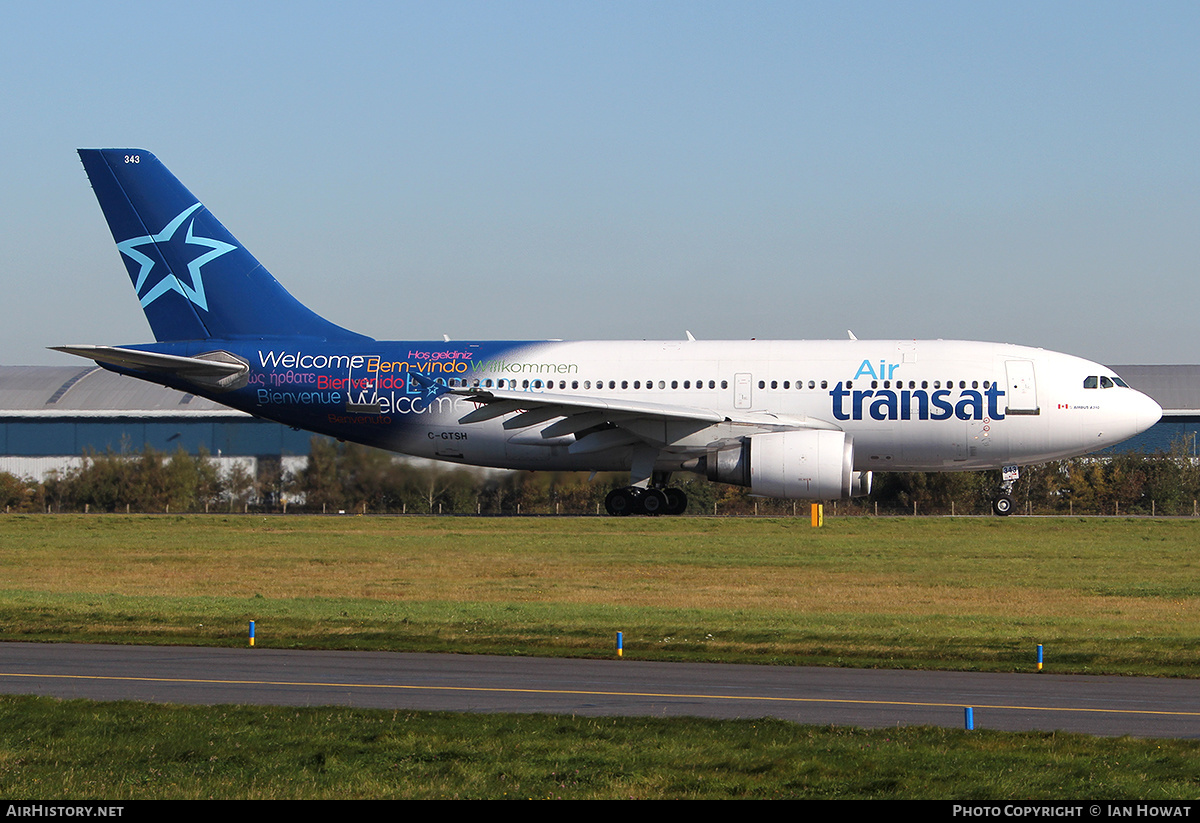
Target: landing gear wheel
[
  {"x": 1002, "y": 505},
  {"x": 653, "y": 502},
  {"x": 676, "y": 501},
  {"x": 620, "y": 502}
]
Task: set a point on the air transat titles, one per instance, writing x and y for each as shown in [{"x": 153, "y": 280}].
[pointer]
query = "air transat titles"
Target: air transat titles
[{"x": 919, "y": 404}]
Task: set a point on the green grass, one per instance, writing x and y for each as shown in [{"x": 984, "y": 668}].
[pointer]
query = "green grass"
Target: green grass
[
  {"x": 1117, "y": 596},
  {"x": 123, "y": 751},
  {"x": 1114, "y": 596}
]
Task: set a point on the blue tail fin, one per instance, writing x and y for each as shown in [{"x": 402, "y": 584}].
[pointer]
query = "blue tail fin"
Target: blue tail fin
[{"x": 195, "y": 281}]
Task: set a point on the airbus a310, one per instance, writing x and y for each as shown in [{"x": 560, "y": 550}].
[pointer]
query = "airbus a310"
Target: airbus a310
[{"x": 802, "y": 420}]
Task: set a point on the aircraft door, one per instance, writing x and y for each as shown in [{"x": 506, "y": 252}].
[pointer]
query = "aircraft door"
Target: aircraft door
[
  {"x": 362, "y": 393},
  {"x": 1022, "y": 387},
  {"x": 742, "y": 388}
]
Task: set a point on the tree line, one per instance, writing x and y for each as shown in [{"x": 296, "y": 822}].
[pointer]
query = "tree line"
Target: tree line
[{"x": 341, "y": 477}]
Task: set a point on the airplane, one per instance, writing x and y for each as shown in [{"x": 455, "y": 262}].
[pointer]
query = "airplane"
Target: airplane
[{"x": 800, "y": 420}]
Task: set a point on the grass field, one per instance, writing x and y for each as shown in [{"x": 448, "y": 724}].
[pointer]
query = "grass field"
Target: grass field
[
  {"x": 1118, "y": 596},
  {"x": 1104, "y": 595},
  {"x": 51, "y": 750}
]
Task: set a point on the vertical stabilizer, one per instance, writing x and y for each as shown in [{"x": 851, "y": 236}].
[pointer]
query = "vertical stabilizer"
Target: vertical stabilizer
[{"x": 195, "y": 281}]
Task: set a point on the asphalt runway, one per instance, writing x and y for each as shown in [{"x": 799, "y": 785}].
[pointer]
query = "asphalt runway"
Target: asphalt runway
[{"x": 1114, "y": 706}]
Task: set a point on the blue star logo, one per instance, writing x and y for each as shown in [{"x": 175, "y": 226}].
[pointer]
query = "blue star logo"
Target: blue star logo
[
  {"x": 168, "y": 281},
  {"x": 431, "y": 387}
]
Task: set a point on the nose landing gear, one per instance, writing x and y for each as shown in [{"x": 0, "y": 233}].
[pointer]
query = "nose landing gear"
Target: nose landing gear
[{"x": 1002, "y": 503}]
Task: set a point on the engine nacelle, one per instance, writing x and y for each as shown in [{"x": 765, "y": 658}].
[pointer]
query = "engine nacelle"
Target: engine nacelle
[{"x": 794, "y": 465}]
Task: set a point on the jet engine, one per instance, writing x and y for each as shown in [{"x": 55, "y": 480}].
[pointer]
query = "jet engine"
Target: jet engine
[{"x": 794, "y": 465}]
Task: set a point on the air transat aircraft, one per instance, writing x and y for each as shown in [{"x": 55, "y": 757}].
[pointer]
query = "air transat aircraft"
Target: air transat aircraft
[{"x": 804, "y": 420}]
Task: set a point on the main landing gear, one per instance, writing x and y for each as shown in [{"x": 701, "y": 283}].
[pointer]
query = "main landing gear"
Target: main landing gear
[
  {"x": 647, "y": 492},
  {"x": 1002, "y": 503},
  {"x": 651, "y": 501}
]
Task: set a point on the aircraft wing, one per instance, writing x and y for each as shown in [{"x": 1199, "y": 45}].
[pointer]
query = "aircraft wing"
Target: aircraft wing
[{"x": 618, "y": 422}]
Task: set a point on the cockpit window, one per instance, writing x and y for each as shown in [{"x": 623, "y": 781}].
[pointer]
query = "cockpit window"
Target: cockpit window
[{"x": 1103, "y": 382}]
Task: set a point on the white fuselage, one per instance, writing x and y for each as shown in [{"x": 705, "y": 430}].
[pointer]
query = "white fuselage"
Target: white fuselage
[{"x": 932, "y": 405}]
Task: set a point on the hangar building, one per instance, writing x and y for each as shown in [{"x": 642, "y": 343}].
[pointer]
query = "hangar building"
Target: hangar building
[
  {"x": 1177, "y": 390},
  {"x": 50, "y": 415}
]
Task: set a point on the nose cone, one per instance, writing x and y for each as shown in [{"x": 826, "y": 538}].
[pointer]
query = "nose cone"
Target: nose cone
[
  {"x": 1133, "y": 414},
  {"x": 1136, "y": 413},
  {"x": 1147, "y": 412}
]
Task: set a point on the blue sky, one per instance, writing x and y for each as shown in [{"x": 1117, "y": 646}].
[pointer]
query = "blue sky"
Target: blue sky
[{"x": 1022, "y": 172}]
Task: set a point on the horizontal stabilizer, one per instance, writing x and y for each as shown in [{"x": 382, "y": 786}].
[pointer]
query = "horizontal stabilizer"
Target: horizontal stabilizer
[{"x": 218, "y": 370}]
